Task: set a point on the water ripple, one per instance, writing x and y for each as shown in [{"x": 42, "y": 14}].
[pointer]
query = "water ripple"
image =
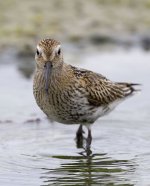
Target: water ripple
[{"x": 95, "y": 170}]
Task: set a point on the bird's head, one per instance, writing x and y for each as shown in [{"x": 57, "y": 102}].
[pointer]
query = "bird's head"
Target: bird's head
[{"x": 48, "y": 57}]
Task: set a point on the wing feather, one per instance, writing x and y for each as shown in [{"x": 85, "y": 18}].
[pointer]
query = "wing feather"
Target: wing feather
[{"x": 100, "y": 90}]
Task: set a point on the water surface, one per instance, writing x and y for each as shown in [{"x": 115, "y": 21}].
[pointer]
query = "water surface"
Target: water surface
[{"x": 35, "y": 152}]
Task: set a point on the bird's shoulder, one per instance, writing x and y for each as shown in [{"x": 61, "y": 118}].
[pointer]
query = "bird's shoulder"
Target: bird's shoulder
[{"x": 86, "y": 75}]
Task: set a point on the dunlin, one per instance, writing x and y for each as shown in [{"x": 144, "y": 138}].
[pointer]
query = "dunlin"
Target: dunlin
[{"x": 72, "y": 95}]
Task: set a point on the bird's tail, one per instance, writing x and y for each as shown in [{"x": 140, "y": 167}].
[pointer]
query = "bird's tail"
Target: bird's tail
[{"x": 129, "y": 88}]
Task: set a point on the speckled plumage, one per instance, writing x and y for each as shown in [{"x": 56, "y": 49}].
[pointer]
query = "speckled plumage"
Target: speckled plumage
[{"x": 74, "y": 96}]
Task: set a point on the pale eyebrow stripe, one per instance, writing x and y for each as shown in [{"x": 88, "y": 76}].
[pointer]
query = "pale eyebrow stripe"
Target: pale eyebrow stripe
[
  {"x": 39, "y": 48},
  {"x": 58, "y": 47}
]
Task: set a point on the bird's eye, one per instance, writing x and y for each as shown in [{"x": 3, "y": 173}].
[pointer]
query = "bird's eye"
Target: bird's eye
[
  {"x": 37, "y": 52},
  {"x": 59, "y": 51}
]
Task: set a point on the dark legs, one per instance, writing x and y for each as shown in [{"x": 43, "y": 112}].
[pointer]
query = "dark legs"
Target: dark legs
[
  {"x": 89, "y": 139},
  {"x": 88, "y": 142},
  {"x": 79, "y": 137}
]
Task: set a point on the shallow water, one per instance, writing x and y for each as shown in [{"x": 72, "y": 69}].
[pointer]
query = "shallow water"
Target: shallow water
[{"x": 35, "y": 152}]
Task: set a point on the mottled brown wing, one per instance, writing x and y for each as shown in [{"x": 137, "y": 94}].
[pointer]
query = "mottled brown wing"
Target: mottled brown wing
[{"x": 102, "y": 91}]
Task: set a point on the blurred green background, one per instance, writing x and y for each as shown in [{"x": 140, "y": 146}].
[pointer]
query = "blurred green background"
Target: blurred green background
[{"x": 24, "y": 22}]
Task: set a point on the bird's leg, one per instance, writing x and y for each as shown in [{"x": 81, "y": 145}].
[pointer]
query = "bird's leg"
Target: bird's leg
[
  {"x": 88, "y": 142},
  {"x": 80, "y": 132},
  {"x": 79, "y": 137}
]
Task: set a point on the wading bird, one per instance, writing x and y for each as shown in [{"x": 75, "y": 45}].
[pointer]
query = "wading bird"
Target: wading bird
[{"x": 72, "y": 95}]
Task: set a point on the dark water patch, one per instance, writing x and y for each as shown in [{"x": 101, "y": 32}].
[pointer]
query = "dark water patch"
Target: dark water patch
[
  {"x": 6, "y": 121},
  {"x": 26, "y": 65},
  {"x": 37, "y": 120}
]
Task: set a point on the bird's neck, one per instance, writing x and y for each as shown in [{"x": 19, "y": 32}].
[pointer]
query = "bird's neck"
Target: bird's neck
[
  {"x": 61, "y": 74},
  {"x": 55, "y": 77}
]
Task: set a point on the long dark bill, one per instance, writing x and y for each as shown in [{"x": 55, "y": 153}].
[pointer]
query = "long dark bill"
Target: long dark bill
[{"x": 47, "y": 72}]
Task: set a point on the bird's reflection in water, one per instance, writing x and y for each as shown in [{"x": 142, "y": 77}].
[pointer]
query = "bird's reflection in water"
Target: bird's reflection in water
[{"x": 97, "y": 169}]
